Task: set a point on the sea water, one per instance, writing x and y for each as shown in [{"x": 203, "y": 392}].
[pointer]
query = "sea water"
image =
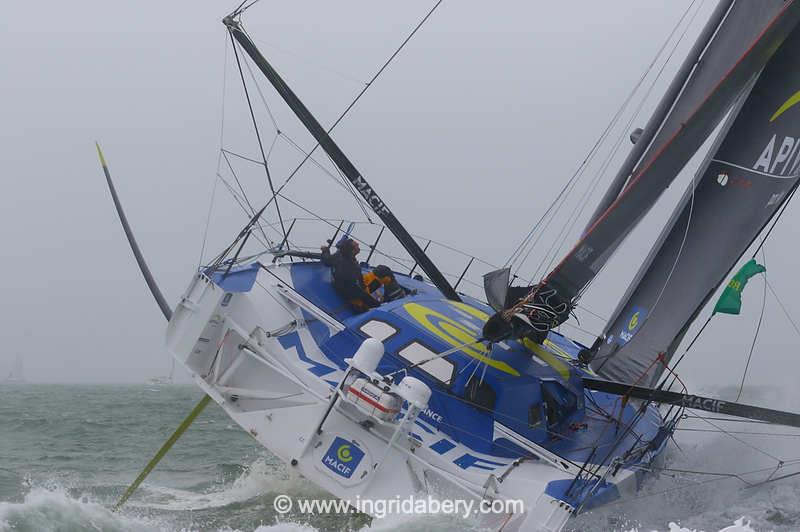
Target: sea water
[{"x": 67, "y": 453}]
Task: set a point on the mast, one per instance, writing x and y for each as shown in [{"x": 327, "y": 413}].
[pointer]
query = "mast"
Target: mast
[
  {"x": 340, "y": 159},
  {"x": 661, "y": 111}
]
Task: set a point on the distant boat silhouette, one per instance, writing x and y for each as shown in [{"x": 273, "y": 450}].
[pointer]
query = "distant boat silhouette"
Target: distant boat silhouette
[
  {"x": 16, "y": 374},
  {"x": 160, "y": 381}
]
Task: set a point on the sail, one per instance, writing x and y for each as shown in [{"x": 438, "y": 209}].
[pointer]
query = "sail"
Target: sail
[
  {"x": 643, "y": 138},
  {"x": 17, "y": 373},
  {"x": 747, "y": 38},
  {"x": 743, "y": 182}
]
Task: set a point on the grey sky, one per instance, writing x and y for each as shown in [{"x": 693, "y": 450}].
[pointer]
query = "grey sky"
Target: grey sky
[{"x": 469, "y": 135}]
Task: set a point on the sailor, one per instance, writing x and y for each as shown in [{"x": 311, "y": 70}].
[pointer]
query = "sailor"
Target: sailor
[
  {"x": 383, "y": 277},
  {"x": 346, "y": 273},
  {"x": 361, "y": 290}
]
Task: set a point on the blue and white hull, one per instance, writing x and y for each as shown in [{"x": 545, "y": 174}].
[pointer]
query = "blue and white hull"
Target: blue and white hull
[{"x": 271, "y": 344}]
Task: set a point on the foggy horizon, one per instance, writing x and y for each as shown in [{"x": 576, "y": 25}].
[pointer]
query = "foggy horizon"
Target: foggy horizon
[{"x": 468, "y": 135}]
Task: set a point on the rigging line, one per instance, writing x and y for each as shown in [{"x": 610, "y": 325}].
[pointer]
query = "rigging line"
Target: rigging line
[
  {"x": 341, "y": 180},
  {"x": 775, "y": 479},
  {"x": 396, "y": 260},
  {"x": 350, "y": 186},
  {"x": 422, "y": 237},
  {"x": 244, "y": 195},
  {"x": 576, "y": 327},
  {"x": 585, "y": 198},
  {"x": 311, "y": 62},
  {"x": 243, "y": 157},
  {"x": 629, "y": 428},
  {"x": 293, "y": 144},
  {"x": 248, "y": 6},
  {"x": 261, "y": 95},
  {"x": 741, "y": 432},
  {"x": 607, "y": 130},
  {"x": 641, "y": 104},
  {"x": 219, "y": 155},
  {"x": 360, "y": 94},
  {"x": 208, "y": 222},
  {"x": 238, "y": 183},
  {"x": 767, "y": 284},
  {"x": 754, "y": 421},
  {"x": 758, "y": 329},
  {"x": 689, "y": 484},
  {"x": 641, "y": 409},
  {"x": 720, "y": 474},
  {"x": 680, "y": 248},
  {"x": 589, "y": 311},
  {"x": 258, "y": 134},
  {"x": 775, "y": 222},
  {"x": 780, "y": 303},
  {"x": 688, "y": 347},
  {"x": 235, "y": 196},
  {"x": 272, "y": 146},
  {"x": 746, "y": 444},
  {"x": 238, "y": 10}
]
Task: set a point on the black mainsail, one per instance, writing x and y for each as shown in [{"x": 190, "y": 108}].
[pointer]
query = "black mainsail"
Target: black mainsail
[
  {"x": 662, "y": 110},
  {"x": 693, "y": 119},
  {"x": 748, "y": 35},
  {"x": 739, "y": 188}
]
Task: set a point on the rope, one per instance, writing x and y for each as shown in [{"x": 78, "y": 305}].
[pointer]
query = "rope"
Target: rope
[
  {"x": 219, "y": 155},
  {"x": 360, "y": 94},
  {"x": 638, "y": 111},
  {"x": 783, "y": 308},
  {"x": 717, "y": 478},
  {"x": 163, "y": 450},
  {"x": 688, "y": 347},
  {"x": 258, "y": 134},
  {"x": 744, "y": 432},
  {"x": 746, "y": 444},
  {"x": 589, "y": 156},
  {"x": 208, "y": 223},
  {"x": 775, "y": 222},
  {"x": 758, "y": 328}
]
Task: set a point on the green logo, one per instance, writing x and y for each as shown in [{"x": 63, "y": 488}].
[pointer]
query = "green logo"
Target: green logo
[
  {"x": 343, "y": 453},
  {"x": 634, "y": 321},
  {"x": 793, "y": 100}
]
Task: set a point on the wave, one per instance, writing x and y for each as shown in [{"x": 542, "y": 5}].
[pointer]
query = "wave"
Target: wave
[
  {"x": 258, "y": 479},
  {"x": 53, "y": 509}
]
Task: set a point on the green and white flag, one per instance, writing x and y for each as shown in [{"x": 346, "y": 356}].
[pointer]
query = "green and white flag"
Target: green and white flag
[{"x": 730, "y": 302}]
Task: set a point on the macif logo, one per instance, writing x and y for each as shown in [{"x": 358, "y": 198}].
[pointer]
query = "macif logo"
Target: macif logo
[
  {"x": 632, "y": 324},
  {"x": 343, "y": 453},
  {"x": 343, "y": 457}
]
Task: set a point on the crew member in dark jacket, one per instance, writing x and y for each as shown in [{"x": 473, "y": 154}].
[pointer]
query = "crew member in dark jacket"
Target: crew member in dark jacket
[{"x": 348, "y": 280}]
